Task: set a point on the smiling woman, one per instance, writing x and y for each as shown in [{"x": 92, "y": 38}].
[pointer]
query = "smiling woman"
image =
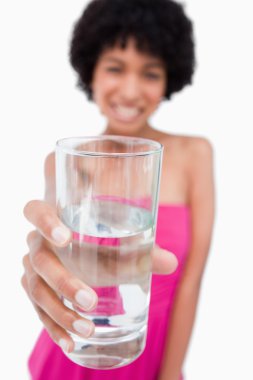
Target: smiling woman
[
  {"x": 128, "y": 86},
  {"x": 129, "y": 56},
  {"x": 159, "y": 28}
]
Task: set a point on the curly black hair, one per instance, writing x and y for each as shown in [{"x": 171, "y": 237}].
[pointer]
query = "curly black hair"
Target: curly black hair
[{"x": 159, "y": 27}]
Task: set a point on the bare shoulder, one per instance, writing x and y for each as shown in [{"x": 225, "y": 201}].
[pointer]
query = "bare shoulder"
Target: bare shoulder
[
  {"x": 199, "y": 146},
  {"x": 198, "y": 157},
  {"x": 189, "y": 147},
  {"x": 49, "y": 166},
  {"x": 198, "y": 151},
  {"x": 199, "y": 163},
  {"x": 191, "y": 144},
  {"x": 193, "y": 158}
]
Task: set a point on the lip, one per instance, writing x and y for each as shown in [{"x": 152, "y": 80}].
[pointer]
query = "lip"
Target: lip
[{"x": 124, "y": 117}]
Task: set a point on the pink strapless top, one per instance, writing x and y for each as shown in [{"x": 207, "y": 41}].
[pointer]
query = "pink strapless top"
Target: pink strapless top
[{"x": 47, "y": 361}]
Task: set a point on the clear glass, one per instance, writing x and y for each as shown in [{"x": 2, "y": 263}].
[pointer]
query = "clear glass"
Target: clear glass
[{"x": 107, "y": 194}]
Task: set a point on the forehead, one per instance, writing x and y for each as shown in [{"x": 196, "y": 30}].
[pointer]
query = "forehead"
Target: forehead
[{"x": 130, "y": 53}]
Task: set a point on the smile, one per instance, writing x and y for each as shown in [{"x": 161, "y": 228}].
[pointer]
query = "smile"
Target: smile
[{"x": 126, "y": 114}]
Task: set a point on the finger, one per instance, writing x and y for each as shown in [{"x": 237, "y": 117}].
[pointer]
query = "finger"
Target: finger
[
  {"x": 24, "y": 284},
  {"x": 43, "y": 216},
  {"x": 47, "y": 301},
  {"x": 48, "y": 266},
  {"x": 163, "y": 261},
  {"x": 57, "y": 333}
]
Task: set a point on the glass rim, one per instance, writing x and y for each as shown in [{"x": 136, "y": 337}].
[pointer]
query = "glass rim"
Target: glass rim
[{"x": 155, "y": 147}]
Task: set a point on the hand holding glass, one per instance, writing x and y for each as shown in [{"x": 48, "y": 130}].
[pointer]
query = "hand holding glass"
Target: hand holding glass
[{"x": 107, "y": 194}]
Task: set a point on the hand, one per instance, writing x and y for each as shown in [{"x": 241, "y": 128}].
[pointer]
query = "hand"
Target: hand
[{"x": 46, "y": 280}]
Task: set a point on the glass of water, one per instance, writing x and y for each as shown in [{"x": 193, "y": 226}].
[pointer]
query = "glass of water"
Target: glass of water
[{"x": 107, "y": 194}]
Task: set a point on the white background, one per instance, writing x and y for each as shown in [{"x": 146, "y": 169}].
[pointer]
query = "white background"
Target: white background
[{"x": 39, "y": 104}]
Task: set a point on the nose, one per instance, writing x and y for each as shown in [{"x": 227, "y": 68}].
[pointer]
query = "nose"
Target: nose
[{"x": 130, "y": 88}]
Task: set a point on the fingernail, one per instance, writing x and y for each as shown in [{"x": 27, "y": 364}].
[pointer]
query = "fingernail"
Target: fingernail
[
  {"x": 85, "y": 299},
  {"x": 82, "y": 327},
  {"x": 60, "y": 234},
  {"x": 64, "y": 344}
]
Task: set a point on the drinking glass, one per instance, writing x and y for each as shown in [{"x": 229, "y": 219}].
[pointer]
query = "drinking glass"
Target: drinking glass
[{"x": 107, "y": 194}]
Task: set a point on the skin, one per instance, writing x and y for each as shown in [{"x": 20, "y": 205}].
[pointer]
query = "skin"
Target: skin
[{"x": 128, "y": 86}]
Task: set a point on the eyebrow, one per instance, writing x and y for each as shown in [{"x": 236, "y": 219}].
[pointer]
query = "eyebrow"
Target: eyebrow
[
  {"x": 147, "y": 65},
  {"x": 155, "y": 64}
]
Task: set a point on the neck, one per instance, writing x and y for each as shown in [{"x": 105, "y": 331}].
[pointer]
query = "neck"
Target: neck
[{"x": 146, "y": 131}]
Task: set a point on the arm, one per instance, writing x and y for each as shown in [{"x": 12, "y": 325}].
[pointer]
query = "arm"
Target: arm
[
  {"x": 202, "y": 216},
  {"x": 49, "y": 175}
]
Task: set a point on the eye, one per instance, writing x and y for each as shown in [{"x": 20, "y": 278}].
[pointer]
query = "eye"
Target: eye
[
  {"x": 113, "y": 69},
  {"x": 153, "y": 76}
]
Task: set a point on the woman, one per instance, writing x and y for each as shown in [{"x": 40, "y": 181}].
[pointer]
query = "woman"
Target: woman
[{"x": 129, "y": 56}]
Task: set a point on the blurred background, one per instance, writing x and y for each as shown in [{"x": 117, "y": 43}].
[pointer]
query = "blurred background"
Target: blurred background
[{"x": 40, "y": 104}]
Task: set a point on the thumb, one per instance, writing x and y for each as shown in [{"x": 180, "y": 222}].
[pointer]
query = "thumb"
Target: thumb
[{"x": 163, "y": 261}]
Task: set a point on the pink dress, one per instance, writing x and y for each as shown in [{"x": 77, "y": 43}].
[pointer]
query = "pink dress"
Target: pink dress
[{"x": 48, "y": 362}]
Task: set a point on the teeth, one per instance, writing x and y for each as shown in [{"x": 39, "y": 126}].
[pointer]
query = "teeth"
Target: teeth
[{"x": 127, "y": 112}]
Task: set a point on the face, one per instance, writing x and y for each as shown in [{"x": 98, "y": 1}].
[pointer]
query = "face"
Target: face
[{"x": 128, "y": 86}]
